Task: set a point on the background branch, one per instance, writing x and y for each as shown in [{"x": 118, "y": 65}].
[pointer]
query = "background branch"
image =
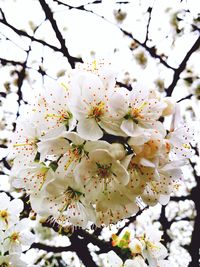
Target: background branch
[{"x": 182, "y": 67}]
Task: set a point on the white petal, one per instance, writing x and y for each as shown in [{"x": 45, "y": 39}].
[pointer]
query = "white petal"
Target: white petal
[
  {"x": 125, "y": 162},
  {"x": 56, "y": 146},
  {"x": 140, "y": 137},
  {"x": 164, "y": 199},
  {"x": 111, "y": 126},
  {"x": 77, "y": 215},
  {"x": 122, "y": 175},
  {"x": 53, "y": 133},
  {"x": 89, "y": 129},
  {"x": 147, "y": 163},
  {"x": 27, "y": 238},
  {"x": 136, "y": 262},
  {"x": 37, "y": 204},
  {"x": 22, "y": 224},
  {"x": 135, "y": 246},
  {"x": 4, "y": 201},
  {"x": 79, "y": 108},
  {"x": 16, "y": 262},
  {"x": 93, "y": 145},
  {"x": 92, "y": 88},
  {"x": 132, "y": 208},
  {"x": 118, "y": 105},
  {"x": 15, "y": 248},
  {"x": 18, "y": 183},
  {"x": 128, "y": 126},
  {"x": 107, "y": 75},
  {"x": 160, "y": 251},
  {"x": 16, "y": 206},
  {"x": 74, "y": 137},
  {"x": 114, "y": 260},
  {"x": 138, "y": 94},
  {"x": 164, "y": 263}
]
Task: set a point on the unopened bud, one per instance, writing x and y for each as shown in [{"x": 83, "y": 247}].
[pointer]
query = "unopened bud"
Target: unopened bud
[
  {"x": 170, "y": 108},
  {"x": 118, "y": 151}
]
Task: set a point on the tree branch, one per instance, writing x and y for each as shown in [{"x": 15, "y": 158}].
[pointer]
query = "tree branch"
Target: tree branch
[
  {"x": 193, "y": 247},
  {"x": 49, "y": 16},
  {"x": 150, "y": 50},
  {"x": 32, "y": 38},
  {"x": 11, "y": 62},
  {"x": 82, "y": 238},
  {"x": 148, "y": 24},
  {"x": 131, "y": 219},
  {"x": 185, "y": 98},
  {"x": 127, "y": 86},
  {"x": 181, "y": 67},
  {"x": 51, "y": 248},
  {"x": 166, "y": 225}
]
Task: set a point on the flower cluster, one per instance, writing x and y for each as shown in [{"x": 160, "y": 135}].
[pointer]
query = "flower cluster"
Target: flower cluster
[
  {"x": 145, "y": 250},
  {"x": 15, "y": 236},
  {"x": 88, "y": 150}
]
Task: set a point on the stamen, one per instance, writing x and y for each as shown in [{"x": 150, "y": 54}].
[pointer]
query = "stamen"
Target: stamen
[
  {"x": 15, "y": 237},
  {"x": 4, "y": 215},
  {"x": 186, "y": 146},
  {"x": 97, "y": 111},
  {"x": 41, "y": 176},
  {"x": 64, "y": 86},
  {"x": 153, "y": 187},
  {"x": 24, "y": 144},
  {"x": 94, "y": 65},
  {"x": 63, "y": 116}
]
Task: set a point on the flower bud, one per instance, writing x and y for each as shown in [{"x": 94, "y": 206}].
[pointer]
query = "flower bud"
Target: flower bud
[
  {"x": 170, "y": 108},
  {"x": 118, "y": 151}
]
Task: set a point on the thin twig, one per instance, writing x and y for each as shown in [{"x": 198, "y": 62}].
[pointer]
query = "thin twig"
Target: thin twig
[
  {"x": 182, "y": 67},
  {"x": 64, "y": 49},
  {"x": 185, "y": 98}
]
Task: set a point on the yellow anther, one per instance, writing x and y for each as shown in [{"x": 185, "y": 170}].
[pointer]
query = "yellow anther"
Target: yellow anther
[
  {"x": 15, "y": 237},
  {"x": 94, "y": 65},
  {"x": 64, "y": 86},
  {"x": 135, "y": 112},
  {"x": 142, "y": 106},
  {"x": 23, "y": 144},
  {"x": 53, "y": 116},
  {"x": 176, "y": 186},
  {"x": 97, "y": 111},
  {"x": 153, "y": 187},
  {"x": 42, "y": 176},
  {"x": 186, "y": 146},
  {"x": 3, "y": 214},
  {"x": 68, "y": 164},
  {"x": 63, "y": 117},
  {"x": 151, "y": 245}
]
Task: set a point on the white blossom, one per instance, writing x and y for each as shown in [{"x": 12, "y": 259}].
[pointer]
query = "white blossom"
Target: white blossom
[
  {"x": 77, "y": 150},
  {"x": 9, "y": 211},
  {"x": 65, "y": 201},
  {"x": 100, "y": 174},
  {"x": 18, "y": 237},
  {"x": 12, "y": 260},
  {"x": 153, "y": 250},
  {"x": 34, "y": 178},
  {"x": 90, "y": 105},
  {"x": 137, "y": 110},
  {"x": 91, "y": 150},
  {"x": 52, "y": 110},
  {"x": 23, "y": 147},
  {"x": 113, "y": 260}
]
